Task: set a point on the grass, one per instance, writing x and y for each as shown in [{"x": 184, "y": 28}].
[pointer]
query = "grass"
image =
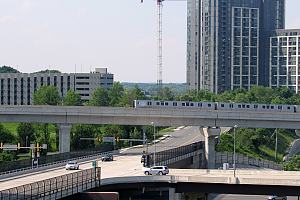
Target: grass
[{"x": 12, "y": 127}]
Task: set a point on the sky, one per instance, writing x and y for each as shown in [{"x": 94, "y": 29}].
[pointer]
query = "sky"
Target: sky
[{"x": 80, "y": 35}]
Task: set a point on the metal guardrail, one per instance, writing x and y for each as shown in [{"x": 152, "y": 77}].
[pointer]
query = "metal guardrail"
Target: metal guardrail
[
  {"x": 162, "y": 156},
  {"x": 51, "y": 165},
  {"x": 18, "y": 164},
  {"x": 227, "y": 157},
  {"x": 55, "y": 188}
]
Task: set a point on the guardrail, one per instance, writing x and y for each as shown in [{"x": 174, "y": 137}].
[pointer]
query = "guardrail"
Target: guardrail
[
  {"x": 170, "y": 154},
  {"x": 51, "y": 165},
  {"x": 18, "y": 164},
  {"x": 55, "y": 188}
]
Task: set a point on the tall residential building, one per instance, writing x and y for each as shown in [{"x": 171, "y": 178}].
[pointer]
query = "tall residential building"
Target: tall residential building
[
  {"x": 225, "y": 42},
  {"x": 18, "y": 88},
  {"x": 285, "y": 59}
]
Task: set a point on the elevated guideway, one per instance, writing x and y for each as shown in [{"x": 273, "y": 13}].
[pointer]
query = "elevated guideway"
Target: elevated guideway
[{"x": 144, "y": 116}]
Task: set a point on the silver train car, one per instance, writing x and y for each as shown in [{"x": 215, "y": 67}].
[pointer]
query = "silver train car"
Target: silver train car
[{"x": 216, "y": 106}]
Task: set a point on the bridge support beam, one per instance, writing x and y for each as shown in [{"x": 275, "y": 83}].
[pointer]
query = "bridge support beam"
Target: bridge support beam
[
  {"x": 210, "y": 152},
  {"x": 64, "y": 138}
]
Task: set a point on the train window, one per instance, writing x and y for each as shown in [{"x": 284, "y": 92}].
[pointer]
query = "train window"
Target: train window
[
  {"x": 263, "y": 107},
  {"x": 288, "y": 108},
  {"x": 268, "y": 107},
  {"x": 192, "y": 104},
  {"x": 209, "y": 105},
  {"x": 243, "y": 106},
  {"x": 174, "y": 103},
  {"x": 239, "y": 106},
  {"x": 187, "y": 104},
  {"x": 149, "y": 103},
  {"x": 162, "y": 103},
  {"x": 157, "y": 103},
  {"x": 255, "y": 106},
  {"x": 248, "y": 106},
  {"x": 199, "y": 104},
  {"x": 272, "y": 107},
  {"x": 183, "y": 104},
  {"x": 222, "y": 105},
  {"x": 166, "y": 104},
  {"x": 280, "y": 107},
  {"x": 231, "y": 105}
]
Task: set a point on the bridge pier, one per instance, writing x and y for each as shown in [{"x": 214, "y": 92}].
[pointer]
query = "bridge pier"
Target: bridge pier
[
  {"x": 297, "y": 131},
  {"x": 210, "y": 151},
  {"x": 64, "y": 138}
]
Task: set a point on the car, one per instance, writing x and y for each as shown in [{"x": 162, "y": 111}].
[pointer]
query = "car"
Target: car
[
  {"x": 107, "y": 157},
  {"x": 156, "y": 170},
  {"x": 72, "y": 165},
  {"x": 274, "y": 197}
]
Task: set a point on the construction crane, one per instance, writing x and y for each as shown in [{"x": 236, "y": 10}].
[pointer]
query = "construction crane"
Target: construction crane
[{"x": 159, "y": 42}]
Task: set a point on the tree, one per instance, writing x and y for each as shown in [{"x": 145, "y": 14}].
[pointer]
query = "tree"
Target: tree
[
  {"x": 26, "y": 133},
  {"x": 46, "y": 95},
  {"x": 83, "y": 131},
  {"x": 115, "y": 94},
  {"x": 165, "y": 94},
  {"x": 6, "y": 136},
  {"x": 99, "y": 97},
  {"x": 8, "y": 69},
  {"x": 132, "y": 94},
  {"x": 72, "y": 99}
]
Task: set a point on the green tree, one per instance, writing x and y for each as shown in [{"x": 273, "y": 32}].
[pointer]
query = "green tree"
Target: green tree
[
  {"x": 72, "y": 99},
  {"x": 132, "y": 94},
  {"x": 6, "y": 136},
  {"x": 83, "y": 131},
  {"x": 8, "y": 69},
  {"x": 293, "y": 164},
  {"x": 115, "y": 94},
  {"x": 26, "y": 133},
  {"x": 99, "y": 97},
  {"x": 46, "y": 95},
  {"x": 165, "y": 94}
]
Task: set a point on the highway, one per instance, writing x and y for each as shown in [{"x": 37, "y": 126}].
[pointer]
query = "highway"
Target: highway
[{"x": 244, "y": 197}]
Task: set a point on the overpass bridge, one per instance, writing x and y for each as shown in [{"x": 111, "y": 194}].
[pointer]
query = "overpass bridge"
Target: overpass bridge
[{"x": 65, "y": 116}]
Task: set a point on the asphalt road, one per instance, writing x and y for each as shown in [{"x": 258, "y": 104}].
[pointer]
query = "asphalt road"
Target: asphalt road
[{"x": 180, "y": 137}]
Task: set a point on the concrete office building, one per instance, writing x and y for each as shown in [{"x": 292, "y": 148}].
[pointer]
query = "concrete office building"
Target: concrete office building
[
  {"x": 285, "y": 59},
  {"x": 18, "y": 88},
  {"x": 226, "y": 42}
]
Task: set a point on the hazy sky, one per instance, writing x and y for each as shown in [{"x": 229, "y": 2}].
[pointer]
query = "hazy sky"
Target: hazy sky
[{"x": 118, "y": 34}]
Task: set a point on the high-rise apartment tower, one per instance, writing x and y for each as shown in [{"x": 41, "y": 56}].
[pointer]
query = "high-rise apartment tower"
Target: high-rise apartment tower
[{"x": 225, "y": 42}]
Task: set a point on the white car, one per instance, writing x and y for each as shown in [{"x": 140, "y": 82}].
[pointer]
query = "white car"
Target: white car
[
  {"x": 156, "y": 170},
  {"x": 274, "y": 197},
  {"x": 72, "y": 165}
]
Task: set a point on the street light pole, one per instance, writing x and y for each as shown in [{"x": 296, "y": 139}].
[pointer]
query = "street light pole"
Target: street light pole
[
  {"x": 276, "y": 144},
  {"x": 154, "y": 155},
  {"x": 234, "y": 154}
]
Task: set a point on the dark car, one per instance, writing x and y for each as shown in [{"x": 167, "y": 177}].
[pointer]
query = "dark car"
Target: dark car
[{"x": 107, "y": 157}]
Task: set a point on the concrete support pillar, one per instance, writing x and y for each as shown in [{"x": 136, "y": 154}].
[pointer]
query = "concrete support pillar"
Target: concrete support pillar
[
  {"x": 210, "y": 152},
  {"x": 173, "y": 195},
  {"x": 64, "y": 138}
]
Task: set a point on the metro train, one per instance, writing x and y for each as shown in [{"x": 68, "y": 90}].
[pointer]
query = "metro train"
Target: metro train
[{"x": 216, "y": 106}]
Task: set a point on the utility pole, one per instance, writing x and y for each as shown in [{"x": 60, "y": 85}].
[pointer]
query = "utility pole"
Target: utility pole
[{"x": 276, "y": 144}]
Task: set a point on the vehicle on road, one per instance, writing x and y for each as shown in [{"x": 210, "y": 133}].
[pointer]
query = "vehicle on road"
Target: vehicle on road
[
  {"x": 274, "y": 197},
  {"x": 107, "y": 157},
  {"x": 72, "y": 165},
  {"x": 156, "y": 170}
]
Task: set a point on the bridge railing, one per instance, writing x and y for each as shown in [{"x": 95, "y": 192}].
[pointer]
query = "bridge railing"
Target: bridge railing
[
  {"x": 227, "y": 157},
  {"x": 163, "y": 156},
  {"x": 55, "y": 188}
]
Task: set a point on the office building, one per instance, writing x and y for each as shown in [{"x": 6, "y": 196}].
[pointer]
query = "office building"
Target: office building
[
  {"x": 18, "y": 88},
  {"x": 226, "y": 42},
  {"x": 285, "y": 59}
]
